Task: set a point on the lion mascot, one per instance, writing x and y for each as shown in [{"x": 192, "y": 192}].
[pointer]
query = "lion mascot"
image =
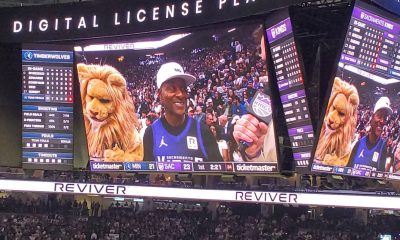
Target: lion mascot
[
  {"x": 109, "y": 114},
  {"x": 338, "y": 129}
]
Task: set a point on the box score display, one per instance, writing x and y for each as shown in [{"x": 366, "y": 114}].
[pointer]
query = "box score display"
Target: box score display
[{"x": 47, "y": 107}]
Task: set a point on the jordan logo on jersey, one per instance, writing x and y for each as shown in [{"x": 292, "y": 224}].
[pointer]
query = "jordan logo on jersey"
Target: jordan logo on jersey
[
  {"x": 361, "y": 154},
  {"x": 162, "y": 143},
  {"x": 192, "y": 143}
]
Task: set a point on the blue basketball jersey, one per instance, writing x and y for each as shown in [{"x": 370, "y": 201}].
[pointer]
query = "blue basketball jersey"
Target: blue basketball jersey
[
  {"x": 187, "y": 146},
  {"x": 368, "y": 159}
]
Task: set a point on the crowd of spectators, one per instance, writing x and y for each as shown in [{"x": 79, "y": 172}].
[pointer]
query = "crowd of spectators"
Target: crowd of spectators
[
  {"x": 49, "y": 206},
  {"x": 128, "y": 222}
]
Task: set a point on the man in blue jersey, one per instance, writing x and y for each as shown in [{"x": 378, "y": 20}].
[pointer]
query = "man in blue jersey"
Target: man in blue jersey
[
  {"x": 176, "y": 137},
  {"x": 369, "y": 153}
]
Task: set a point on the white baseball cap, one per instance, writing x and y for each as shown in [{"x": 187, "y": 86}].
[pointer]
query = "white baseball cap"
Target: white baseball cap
[
  {"x": 172, "y": 70},
  {"x": 383, "y": 103}
]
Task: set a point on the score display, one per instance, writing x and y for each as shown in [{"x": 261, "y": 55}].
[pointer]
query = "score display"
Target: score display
[
  {"x": 291, "y": 89},
  {"x": 47, "y": 107},
  {"x": 192, "y": 167},
  {"x": 369, "y": 71},
  {"x": 372, "y": 48}
]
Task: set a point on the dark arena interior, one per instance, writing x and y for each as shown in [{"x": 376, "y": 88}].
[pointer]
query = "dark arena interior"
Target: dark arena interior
[{"x": 226, "y": 119}]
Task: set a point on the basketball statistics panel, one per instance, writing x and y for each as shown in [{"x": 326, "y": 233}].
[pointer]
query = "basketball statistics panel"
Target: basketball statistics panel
[
  {"x": 372, "y": 47},
  {"x": 359, "y": 133},
  {"x": 178, "y": 101},
  {"x": 47, "y": 106},
  {"x": 290, "y": 80}
]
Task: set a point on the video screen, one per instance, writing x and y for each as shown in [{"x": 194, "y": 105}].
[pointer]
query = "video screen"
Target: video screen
[
  {"x": 290, "y": 80},
  {"x": 359, "y": 135},
  {"x": 47, "y": 106},
  {"x": 189, "y": 101}
]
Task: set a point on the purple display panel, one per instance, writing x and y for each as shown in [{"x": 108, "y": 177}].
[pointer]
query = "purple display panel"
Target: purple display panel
[
  {"x": 371, "y": 47},
  {"x": 279, "y": 30},
  {"x": 174, "y": 166},
  {"x": 291, "y": 88},
  {"x": 375, "y": 20}
]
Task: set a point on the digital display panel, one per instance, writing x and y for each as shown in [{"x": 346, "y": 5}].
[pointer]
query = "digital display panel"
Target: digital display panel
[
  {"x": 179, "y": 102},
  {"x": 47, "y": 106},
  {"x": 359, "y": 135},
  {"x": 290, "y": 80},
  {"x": 393, "y": 6}
]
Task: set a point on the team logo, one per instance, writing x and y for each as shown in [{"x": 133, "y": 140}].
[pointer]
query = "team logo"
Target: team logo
[
  {"x": 192, "y": 143},
  {"x": 28, "y": 55},
  {"x": 262, "y": 105},
  {"x": 160, "y": 166},
  {"x": 162, "y": 143},
  {"x": 278, "y": 30}
]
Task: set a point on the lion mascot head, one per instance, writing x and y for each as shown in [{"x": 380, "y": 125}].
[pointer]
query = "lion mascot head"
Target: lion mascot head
[
  {"x": 339, "y": 125},
  {"x": 109, "y": 114}
]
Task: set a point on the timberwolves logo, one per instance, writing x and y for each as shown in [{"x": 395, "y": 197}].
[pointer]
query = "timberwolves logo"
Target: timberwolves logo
[{"x": 28, "y": 55}]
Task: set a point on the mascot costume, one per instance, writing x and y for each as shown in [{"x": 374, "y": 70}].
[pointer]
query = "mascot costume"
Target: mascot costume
[
  {"x": 338, "y": 129},
  {"x": 109, "y": 114}
]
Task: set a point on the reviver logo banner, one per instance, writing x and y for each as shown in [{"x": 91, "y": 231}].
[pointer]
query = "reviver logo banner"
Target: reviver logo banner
[{"x": 374, "y": 200}]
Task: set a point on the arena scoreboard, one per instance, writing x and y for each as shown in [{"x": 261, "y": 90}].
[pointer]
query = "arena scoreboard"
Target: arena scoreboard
[
  {"x": 47, "y": 107},
  {"x": 371, "y": 47},
  {"x": 290, "y": 82}
]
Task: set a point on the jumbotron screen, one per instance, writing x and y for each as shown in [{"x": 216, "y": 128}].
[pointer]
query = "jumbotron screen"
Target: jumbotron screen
[
  {"x": 360, "y": 134},
  {"x": 188, "y": 101}
]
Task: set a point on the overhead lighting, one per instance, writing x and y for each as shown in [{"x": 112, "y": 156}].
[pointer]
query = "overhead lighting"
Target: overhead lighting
[
  {"x": 231, "y": 30},
  {"x": 133, "y": 45}
]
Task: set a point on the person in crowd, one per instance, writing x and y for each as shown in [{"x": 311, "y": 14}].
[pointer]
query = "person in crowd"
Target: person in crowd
[
  {"x": 209, "y": 119},
  {"x": 199, "y": 115},
  {"x": 150, "y": 118},
  {"x": 396, "y": 161},
  {"x": 370, "y": 152},
  {"x": 190, "y": 112},
  {"x": 224, "y": 128},
  {"x": 176, "y": 136},
  {"x": 222, "y": 144}
]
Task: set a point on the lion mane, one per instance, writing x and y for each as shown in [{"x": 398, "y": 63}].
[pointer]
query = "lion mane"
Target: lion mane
[
  {"x": 339, "y": 126},
  {"x": 115, "y": 138}
]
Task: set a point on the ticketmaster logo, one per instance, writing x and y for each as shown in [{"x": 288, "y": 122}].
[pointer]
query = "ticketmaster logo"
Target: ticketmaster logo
[
  {"x": 107, "y": 166},
  {"x": 255, "y": 168}
]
